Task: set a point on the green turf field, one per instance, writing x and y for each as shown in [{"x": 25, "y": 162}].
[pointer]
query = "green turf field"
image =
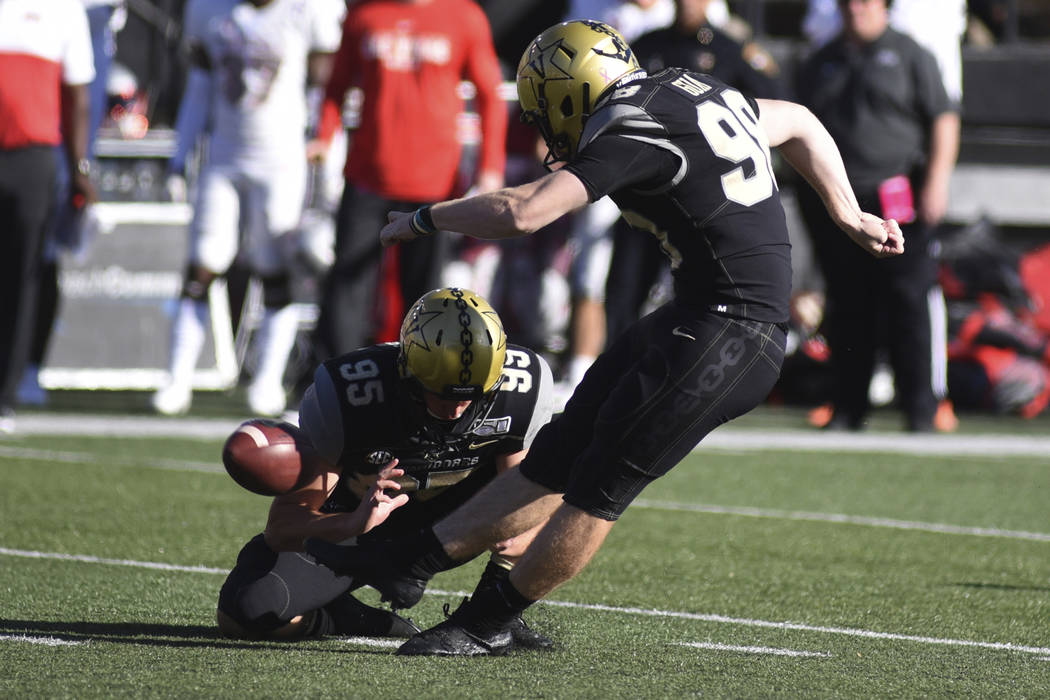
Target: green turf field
[{"x": 741, "y": 574}]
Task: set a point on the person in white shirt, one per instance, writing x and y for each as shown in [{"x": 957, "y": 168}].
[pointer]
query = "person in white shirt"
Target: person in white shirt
[{"x": 246, "y": 90}]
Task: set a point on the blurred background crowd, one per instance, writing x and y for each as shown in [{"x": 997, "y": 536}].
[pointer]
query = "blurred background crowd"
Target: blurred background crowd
[{"x": 189, "y": 246}]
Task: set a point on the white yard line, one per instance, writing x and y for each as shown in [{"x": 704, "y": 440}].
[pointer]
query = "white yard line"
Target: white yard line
[
  {"x": 727, "y": 438},
  {"x": 45, "y": 641},
  {"x": 90, "y": 458},
  {"x": 775, "y": 651},
  {"x": 90, "y": 425},
  {"x": 997, "y": 445},
  {"x": 842, "y": 518},
  {"x": 645, "y": 612},
  {"x": 797, "y": 626},
  {"x": 87, "y": 559},
  {"x": 374, "y": 642}
]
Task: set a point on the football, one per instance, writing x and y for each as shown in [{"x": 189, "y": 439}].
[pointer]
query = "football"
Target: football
[{"x": 268, "y": 457}]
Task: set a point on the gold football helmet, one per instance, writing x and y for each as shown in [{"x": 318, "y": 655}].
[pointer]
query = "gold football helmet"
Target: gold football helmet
[
  {"x": 453, "y": 344},
  {"x": 562, "y": 75}
]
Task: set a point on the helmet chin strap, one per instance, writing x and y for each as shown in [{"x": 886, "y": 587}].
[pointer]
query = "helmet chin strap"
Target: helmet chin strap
[
  {"x": 476, "y": 412},
  {"x": 444, "y": 429}
]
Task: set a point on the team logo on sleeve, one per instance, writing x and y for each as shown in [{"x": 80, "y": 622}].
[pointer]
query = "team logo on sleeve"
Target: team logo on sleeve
[{"x": 493, "y": 426}]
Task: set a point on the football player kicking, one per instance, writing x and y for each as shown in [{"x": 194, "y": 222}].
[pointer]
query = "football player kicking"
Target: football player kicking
[
  {"x": 686, "y": 158},
  {"x": 444, "y": 411}
]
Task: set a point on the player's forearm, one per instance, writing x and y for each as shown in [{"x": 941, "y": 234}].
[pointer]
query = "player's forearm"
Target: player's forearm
[
  {"x": 512, "y": 211},
  {"x": 490, "y": 216},
  {"x": 287, "y": 528},
  {"x": 810, "y": 150},
  {"x": 75, "y": 122}
]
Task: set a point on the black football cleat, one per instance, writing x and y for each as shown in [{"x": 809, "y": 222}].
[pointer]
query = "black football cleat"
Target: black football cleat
[
  {"x": 527, "y": 638},
  {"x": 352, "y": 617},
  {"x": 462, "y": 634},
  {"x": 370, "y": 567},
  {"x": 401, "y": 591}
]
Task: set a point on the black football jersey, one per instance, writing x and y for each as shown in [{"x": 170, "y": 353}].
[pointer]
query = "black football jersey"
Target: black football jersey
[
  {"x": 684, "y": 157},
  {"x": 360, "y": 413}
]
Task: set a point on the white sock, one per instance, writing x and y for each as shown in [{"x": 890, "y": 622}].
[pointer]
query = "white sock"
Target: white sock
[
  {"x": 275, "y": 341},
  {"x": 187, "y": 339}
]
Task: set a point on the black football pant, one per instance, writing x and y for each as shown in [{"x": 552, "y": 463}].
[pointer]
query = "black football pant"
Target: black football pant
[
  {"x": 350, "y": 298},
  {"x": 648, "y": 400},
  {"x": 27, "y": 177}
]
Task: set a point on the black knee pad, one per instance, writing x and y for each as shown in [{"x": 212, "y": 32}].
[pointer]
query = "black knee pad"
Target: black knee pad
[
  {"x": 277, "y": 291},
  {"x": 266, "y": 589},
  {"x": 244, "y": 594}
]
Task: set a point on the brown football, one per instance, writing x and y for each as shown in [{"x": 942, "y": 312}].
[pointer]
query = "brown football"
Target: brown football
[{"x": 268, "y": 457}]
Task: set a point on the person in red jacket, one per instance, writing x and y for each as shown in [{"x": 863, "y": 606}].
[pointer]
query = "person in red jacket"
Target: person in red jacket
[
  {"x": 408, "y": 57},
  {"x": 46, "y": 66}
]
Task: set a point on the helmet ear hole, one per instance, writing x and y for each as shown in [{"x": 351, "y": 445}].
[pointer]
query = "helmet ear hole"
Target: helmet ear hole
[{"x": 566, "y": 106}]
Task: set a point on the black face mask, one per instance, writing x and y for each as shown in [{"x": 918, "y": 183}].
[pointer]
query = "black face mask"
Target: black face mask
[
  {"x": 440, "y": 431},
  {"x": 557, "y": 147}
]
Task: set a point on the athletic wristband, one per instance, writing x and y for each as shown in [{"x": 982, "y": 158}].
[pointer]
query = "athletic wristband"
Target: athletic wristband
[{"x": 421, "y": 222}]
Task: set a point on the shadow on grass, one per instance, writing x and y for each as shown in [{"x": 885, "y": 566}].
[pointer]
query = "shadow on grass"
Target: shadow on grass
[
  {"x": 999, "y": 586},
  {"x": 152, "y": 634}
]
